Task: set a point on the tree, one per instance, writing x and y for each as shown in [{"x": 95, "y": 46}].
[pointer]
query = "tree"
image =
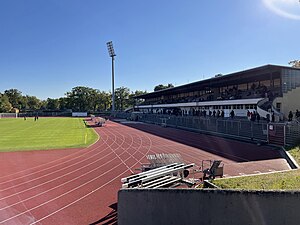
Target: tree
[
  {"x": 52, "y": 104},
  {"x": 5, "y": 105},
  {"x": 15, "y": 98},
  {"x": 82, "y": 98},
  {"x": 132, "y": 101},
  {"x": 295, "y": 63},
  {"x": 161, "y": 87},
  {"x": 121, "y": 97},
  {"x": 63, "y": 103},
  {"x": 33, "y": 102},
  {"x": 103, "y": 101}
]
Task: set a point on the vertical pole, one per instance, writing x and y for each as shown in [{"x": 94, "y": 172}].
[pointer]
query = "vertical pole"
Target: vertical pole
[
  {"x": 113, "y": 83},
  {"x": 284, "y": 135}
]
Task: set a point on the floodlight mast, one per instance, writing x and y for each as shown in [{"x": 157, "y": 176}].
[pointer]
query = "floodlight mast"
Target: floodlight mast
[{"x": 112, "y": 54}]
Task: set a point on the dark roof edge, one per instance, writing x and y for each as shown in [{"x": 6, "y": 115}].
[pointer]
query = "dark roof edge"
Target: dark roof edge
[{"x": 231, "y": 74}]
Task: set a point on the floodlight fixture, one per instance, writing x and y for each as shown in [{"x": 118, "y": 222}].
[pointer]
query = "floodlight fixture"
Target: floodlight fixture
[
  {"x": 112, "y": 54},
  {"x": 110, "y": 48}
]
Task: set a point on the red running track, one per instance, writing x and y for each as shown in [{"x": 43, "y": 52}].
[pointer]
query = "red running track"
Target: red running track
[{"x": 79, "y": 186}]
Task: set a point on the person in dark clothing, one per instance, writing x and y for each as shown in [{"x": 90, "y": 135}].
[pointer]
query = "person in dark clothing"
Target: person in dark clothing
[
  {"x": 253, "y": 116},
  {"x": 232, "y": 114},
  {"x": 248, "y": 115},
  {"x": 290, "y": 116},
  {"x": 273, "y": 117},
  {"x": 257, "y": 117},
  {"x": 214, "y": 113},
  {"x": 222, "y": 114},
  {"x": 268, "y": 118},
  {"x": 297, "y": 113}
]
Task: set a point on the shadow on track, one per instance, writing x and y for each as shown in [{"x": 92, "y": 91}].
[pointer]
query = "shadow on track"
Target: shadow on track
[
  {"x": 111, "y": 218},
  {"x": 238, "y": 151}
]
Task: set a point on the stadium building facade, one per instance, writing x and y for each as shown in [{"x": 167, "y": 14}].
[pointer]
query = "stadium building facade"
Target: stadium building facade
[{"x": 268, "y": 90}]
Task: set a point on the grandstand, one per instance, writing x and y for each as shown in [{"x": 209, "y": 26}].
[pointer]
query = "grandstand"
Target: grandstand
[{"x": 268, "y": 90}]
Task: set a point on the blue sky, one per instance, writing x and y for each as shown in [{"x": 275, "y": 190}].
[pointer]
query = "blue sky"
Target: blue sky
[{"x": 48, "y": 47}]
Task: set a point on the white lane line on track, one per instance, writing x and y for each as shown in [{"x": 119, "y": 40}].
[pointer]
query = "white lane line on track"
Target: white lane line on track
[
  {"x": 59, "y": 196},
  {"x": 53, "y": 161},
  {"x": 68, "y": 191},
  {"x": 158, "y": 147},
  {"x": 169, "y": 148},
  {"x": 62, "y": 194},
  {"x": 127, "y": 152},
  {"x": 139, "y": 161},
  {"x": 66, "y": 206},
  {"x": 58, "y": 186},
  {"x": 120, "y": 157},
  {"x": 41, "y": 184},
  {"x": 79, "y": 199},
  {"x": 212, "y": 140},
  {"x": 56, "y": 165},
  {"x": 44, "y": 183},
  {"x": 53, "y": 172}
]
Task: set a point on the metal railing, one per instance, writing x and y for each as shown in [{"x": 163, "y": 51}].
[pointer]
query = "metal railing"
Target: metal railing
[{"x": 226, "y": 126}]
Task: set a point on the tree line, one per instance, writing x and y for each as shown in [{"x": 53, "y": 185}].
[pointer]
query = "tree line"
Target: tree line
[{"x": 80, "y": 98}]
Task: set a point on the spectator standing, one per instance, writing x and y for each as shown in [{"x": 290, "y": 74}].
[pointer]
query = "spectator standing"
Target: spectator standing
[
  {"x": 253, "y": 116},
  {"x": 290, "y": 116},
  {"x": 214, "y": 113},
  {"x": 257, "y": 117},
  {"x": 232, "y": 114},
  {"x": 297, "y": 113},
  {"x": 268, "y": 118},
  {"x": 248, "y": 114},
  {"x": 273, "y": 117}
]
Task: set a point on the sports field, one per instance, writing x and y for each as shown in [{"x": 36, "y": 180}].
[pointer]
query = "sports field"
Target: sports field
[{"x": 45, "y": 133}]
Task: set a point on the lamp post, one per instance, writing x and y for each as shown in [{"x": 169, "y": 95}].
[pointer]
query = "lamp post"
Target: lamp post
[{"x": 112, "y": 54}]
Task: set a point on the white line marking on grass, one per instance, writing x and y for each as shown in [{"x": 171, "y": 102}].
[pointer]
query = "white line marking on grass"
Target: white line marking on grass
[
  {"x": 53, "y": 172},
  {"x": 62, "y": 163},
  {"x": 66, "y": 206},
  {"x": 70, "y": 155},
  {"x": 74, "y": 188}
]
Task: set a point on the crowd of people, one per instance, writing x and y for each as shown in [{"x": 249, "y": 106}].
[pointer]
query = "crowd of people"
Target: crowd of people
[
  {"x": 254, "y": 91},
  {"x": 253, "y": 116},
  {"x": 291, "y": 115}
]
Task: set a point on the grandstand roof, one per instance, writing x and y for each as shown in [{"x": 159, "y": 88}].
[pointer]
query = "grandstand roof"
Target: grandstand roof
[{"x": 230, "y": 79}]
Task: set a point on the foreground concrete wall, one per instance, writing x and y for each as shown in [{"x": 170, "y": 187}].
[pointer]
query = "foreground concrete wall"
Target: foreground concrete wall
[{"x": 218, "y": 207}]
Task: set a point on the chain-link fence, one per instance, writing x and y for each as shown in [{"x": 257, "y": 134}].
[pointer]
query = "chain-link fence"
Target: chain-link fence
[
  {"x": 225, "y": 126},
  {"x": 292, "y": 133}
]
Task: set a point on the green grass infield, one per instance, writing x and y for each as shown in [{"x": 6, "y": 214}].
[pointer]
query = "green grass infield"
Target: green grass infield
[
  {"x": 45, "y": 133},
  {"x": 289, "y": 180},
  {"x": 275, "y": 181}
]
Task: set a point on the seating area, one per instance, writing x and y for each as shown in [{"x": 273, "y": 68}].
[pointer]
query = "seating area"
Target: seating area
[
  {"x": 99, "y": 121},
  {"x": 162, "y": 177},
  {"x": 255, "y": 91}
]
